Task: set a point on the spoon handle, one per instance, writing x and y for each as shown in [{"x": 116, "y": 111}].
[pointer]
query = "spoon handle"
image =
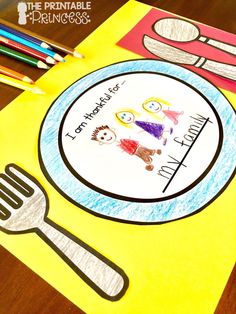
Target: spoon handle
[
  {"x": 225, "y": 70},
  {"x": 220, "y": 45},
  {"x": 101, "y": 274}
]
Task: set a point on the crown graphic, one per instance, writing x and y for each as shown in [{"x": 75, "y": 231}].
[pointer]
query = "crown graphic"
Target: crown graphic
[{"x": 22, "y": 9}]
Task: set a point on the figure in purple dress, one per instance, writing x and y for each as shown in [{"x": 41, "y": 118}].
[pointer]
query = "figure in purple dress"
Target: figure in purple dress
[{"x": 155, "y": 129}]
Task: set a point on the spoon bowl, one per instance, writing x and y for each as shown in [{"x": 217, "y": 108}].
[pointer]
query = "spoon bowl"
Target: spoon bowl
[
  {"x": 179, "y": 30},
  {"x": 176, "y": 29}
]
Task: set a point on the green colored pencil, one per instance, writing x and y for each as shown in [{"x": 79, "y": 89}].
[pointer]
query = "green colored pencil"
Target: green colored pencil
[{"x": 22, "y": 57}]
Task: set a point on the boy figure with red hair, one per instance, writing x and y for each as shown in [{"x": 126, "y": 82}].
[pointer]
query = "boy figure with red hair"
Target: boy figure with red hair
[{"x": 104, "y": 135}]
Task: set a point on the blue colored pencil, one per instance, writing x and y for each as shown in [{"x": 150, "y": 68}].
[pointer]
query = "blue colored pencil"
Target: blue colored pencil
[
  {"x": 27, "y": 43},
  {"x": 25, "y": 36}
]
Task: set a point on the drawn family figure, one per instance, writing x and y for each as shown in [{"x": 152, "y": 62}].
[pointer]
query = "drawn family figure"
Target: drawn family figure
[
  {"x": 155, "y": 105},
  {"x": 155, "y": 129},
  {"x": 105, "y": 135}
]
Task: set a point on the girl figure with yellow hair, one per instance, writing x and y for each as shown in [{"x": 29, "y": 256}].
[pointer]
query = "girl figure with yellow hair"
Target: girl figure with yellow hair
[
  {"x": 155, "y": 129},
  {"x": 154, "y": 105}
]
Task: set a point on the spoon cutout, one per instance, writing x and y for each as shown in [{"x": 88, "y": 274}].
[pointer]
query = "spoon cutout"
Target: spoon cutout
[{"x": 184, "y": 31}]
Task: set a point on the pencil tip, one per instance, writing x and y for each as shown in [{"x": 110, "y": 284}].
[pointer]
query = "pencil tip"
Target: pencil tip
[
  {"x": 43, "y": 65},
  {"x": 59, "y": 58},
  {"x": 50, "y": 60},
  {"x": 37, "y": 90},
  {"x": 78, "y": 55},
  {"x": 27, "y": 80},
  {"x": 46, "y": 46}
]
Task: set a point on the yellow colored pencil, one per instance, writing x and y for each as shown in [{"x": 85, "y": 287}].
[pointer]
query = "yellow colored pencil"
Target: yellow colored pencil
[{"x": 19, "y": 84}]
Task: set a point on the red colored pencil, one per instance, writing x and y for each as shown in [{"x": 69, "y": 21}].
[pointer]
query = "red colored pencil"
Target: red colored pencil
[{"x": 26, "y": 50}]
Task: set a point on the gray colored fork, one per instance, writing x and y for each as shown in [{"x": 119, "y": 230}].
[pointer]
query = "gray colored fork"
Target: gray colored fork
[{"x": 24, "y": 208}]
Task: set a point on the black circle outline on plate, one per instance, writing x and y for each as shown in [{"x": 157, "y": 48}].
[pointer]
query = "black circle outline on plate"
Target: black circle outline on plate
[
  {"x": 99, "y": 215},
  {"x": 134, "y": 199}
]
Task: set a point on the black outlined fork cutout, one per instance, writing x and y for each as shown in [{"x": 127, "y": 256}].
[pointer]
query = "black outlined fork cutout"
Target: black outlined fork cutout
[
  {"x": 8, "y": 196},
  {"x": 24, "y": 207}
]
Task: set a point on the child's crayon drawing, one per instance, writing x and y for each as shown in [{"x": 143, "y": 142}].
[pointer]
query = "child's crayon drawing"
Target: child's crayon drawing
[
  {"x": 105, "y": 135},
  {"x": 154, "y": 105},
  {"x": 155, "y": 129},
  {"x": 102, "y": 142}
]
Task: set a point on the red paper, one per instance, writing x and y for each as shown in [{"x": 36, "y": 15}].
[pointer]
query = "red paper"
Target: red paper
[{"x": 133, "y": 41}]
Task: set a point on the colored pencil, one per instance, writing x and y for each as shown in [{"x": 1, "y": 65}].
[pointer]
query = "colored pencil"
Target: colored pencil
[
  {"x": 16, "y": 75},
  {"x": 65, "y": 49},
  {"x": 9, "y": 27},
  {"x": 19, "y": 84},
  {"x": 31, "y": 52},
  {"x": 29, "y": 44},
  {"x": 54, "y": 44},
  {"x": 22, "y": 57}
]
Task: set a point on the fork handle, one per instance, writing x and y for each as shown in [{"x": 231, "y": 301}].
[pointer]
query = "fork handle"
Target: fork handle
[{"x": 101, "y": 274}]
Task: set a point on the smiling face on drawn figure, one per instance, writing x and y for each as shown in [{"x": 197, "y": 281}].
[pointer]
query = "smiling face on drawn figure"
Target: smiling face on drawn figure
[
  {"x": 126, "y": 117},
  {"x": 106, "y": 136},
  {"x": 152, "y": 106}
]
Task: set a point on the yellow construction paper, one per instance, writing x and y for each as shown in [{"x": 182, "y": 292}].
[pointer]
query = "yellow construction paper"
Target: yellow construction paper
[{"x": 178, "y": 267}]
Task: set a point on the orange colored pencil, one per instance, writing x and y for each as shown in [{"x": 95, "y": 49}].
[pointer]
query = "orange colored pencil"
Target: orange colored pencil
[
  {"x": 16, "y": 75},
  {"x": 4, "y": 79}
]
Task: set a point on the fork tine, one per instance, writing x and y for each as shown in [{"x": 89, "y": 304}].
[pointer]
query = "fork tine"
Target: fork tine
[
  {"x": 18, "y": 187},
  {"x": 9, "y": 197},
  {"x": 21, "y": 177},
  {"x": 4, "y": 213}
]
